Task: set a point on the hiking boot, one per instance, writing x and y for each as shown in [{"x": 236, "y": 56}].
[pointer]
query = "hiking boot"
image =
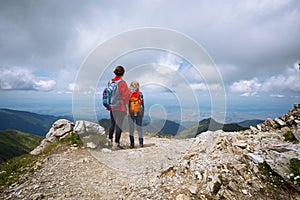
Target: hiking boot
[
  {"x": 109, "y": 143},
  {"x": 116, "y": 148},
  {"x": 141, "y": 145},
  {"x": 131, "y": 146}
]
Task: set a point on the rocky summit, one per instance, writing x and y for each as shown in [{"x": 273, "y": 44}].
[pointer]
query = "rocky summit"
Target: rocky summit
[{"x": 260, "y": 163}]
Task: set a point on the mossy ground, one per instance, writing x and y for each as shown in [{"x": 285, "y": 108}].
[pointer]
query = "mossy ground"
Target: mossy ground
[
  {"x": 13, "y": 171},
  {"x": 295, "y": 171},
  {"x": 289, "y": 137}
]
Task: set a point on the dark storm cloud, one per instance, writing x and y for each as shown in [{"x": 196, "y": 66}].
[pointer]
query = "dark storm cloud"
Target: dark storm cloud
[
  {"x": 246, "y": 39},
  {"x": 37, "y": 33}
]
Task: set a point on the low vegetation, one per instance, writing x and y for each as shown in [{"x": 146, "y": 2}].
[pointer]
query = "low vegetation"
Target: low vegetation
[
  {"x": 275, "y": 180},
  {"x": 11, "y": 171},
  {"x": 15, "y": 143},
  {"x": 295, "y": 171},
  {"x": 289, "y": 137},
  {"x": 15, "y": 170}
]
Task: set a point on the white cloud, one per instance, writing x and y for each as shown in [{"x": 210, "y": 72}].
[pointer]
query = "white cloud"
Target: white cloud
[
  {"x": 248, "y": 87},
  {"x": 23, "y": 79},
  {"x": 71, "y": 86},
  {"x": 277, "y": 95},
  {"x": 65, "y": 79},
  {"x": 249, "y": 94},
  {"x": 289, "y": 81},
  {"x": 170, "y": 60},
  {"x": 44, "y": 85},
  {"x": 199, "y": 86}
]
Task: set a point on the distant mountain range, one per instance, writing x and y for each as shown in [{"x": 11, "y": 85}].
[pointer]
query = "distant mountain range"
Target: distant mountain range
[
  {"x": 167, "y": 127},
  {"x": 40, "y": 124},
  {"x": 163, "y": 127},
  {"x": 15, "y": 143},
  {"x": 212, "y": 125},
  {"x": 160, "y": 127},
  {"x": 26, "y": 121}
]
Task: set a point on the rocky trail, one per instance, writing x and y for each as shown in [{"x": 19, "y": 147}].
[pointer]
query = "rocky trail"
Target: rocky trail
[{"x": 81, "y": 173}]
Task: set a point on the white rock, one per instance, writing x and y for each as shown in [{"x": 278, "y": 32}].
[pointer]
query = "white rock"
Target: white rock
[
  {"x": 106, "y": 150},
  {"x": 182, "y": 197},
  {"x": 254, "y": 129},
  {"x": 245, "y": 192},
  {"x": 60, "y": 128},
  {"x": 255, "y": 158},
  {"x": 91, "y": 145},
  {"x": 280, "y": 122},
  {"x": 241, "y": 144},
  {"x": 193, "y": 189},
  {"x": 198, "y": 175},
  {"x": 83, "y": 127},
  {"x": 258, "y": 127}
]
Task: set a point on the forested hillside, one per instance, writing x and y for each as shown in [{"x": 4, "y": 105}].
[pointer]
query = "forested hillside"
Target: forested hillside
[
  {"x": 14, "y": 143},
  {"x": 26, "y": 121}
]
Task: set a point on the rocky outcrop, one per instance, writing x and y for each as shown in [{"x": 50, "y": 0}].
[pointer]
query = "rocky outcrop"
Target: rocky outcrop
[
  {"x": 92, "y": 134},
  {"x": 59, "y": 130},
  {"x": 251, "y": 164},
  {"x": 231, "y": 165},
  {"x": 287, "y": 122}
]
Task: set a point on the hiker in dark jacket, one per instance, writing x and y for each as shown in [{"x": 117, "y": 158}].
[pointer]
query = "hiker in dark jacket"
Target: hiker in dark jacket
[{"x": 118, "y": 112}]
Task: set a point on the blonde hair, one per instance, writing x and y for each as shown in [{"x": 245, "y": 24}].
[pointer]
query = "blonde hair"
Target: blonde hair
[{"x": 135, "y": 84}]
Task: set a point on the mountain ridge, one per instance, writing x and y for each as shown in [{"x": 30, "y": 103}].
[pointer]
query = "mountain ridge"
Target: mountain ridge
[
  {"x": 213, "y": 125},
  {"x": 26, "y": 121},
  {"x": 38, "y": 124},
  {"x": 15, "y": 143}
]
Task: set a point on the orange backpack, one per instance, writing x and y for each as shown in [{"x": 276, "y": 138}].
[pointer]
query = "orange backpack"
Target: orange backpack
[{"x": 134, "y": 102}]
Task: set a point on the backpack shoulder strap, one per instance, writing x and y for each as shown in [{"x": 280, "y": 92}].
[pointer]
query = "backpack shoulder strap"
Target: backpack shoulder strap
[
  {"x": 109, "y": 82},
  {"x": 119, "y": 81},
  {"x": 141, "y": 97}
]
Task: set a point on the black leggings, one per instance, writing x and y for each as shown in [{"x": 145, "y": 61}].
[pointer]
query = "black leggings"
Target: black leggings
[{"x": 116, "y": 120}]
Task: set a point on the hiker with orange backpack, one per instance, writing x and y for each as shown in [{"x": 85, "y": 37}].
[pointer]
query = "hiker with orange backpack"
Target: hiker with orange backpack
[
  {"x": 115, "y": 99},
  {"x": 136, "y": 113}
]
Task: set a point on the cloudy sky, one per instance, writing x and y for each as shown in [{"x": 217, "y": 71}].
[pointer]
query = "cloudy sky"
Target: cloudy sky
[{"x": 254, "y": 45}]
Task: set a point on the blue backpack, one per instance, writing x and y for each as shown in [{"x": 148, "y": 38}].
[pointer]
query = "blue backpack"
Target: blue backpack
[{"x": 110, "y": 95}]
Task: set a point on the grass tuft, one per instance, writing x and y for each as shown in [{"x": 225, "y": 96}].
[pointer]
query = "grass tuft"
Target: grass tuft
[{"x": 14, "y": 171}]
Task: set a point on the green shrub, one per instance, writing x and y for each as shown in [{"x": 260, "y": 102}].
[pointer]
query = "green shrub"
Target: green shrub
[
  {"x": 68, "y": 140},
  {"x": 289, "y": 136},
  {"x": 72, "y": 139},
  {"x": 295, "y": 171},
  {"x": 216, "y": 187},
  {"x": 272, "y": 176}
]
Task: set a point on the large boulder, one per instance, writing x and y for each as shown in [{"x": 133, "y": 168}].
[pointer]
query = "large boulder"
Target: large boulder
[
  {"x": 59, "y": 130},
  {"x": 83, "y": 127},
  {"x": 91, "y": 134},
  {"x": 278, "y": 158}
]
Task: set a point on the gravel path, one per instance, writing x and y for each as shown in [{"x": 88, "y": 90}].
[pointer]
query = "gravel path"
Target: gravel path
[{"x": 79, "y": 173}]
